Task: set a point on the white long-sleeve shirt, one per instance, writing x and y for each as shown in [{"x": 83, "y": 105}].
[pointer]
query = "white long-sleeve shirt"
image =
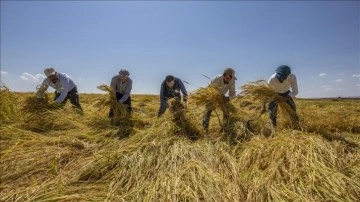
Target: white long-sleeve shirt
[
  {"x": 63, "y": 85},
  {"x": 120, "y": 87},
  {"x": 218, "y": 81},
  {"x": 289, "y": 82}
]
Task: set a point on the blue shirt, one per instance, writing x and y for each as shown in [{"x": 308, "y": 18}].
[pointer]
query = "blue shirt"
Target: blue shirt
[{"x": 166, "y": 92}]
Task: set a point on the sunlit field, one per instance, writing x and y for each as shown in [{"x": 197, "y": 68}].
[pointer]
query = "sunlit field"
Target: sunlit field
[{"x": 51, "y": 153}]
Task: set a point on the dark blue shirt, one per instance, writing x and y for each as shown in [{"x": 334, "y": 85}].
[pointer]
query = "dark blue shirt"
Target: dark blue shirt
[{"x": 166, "y": 92}]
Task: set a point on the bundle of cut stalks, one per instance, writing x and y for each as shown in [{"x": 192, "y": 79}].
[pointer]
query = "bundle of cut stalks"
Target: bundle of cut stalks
[
  {"x": 121, "y": 117},
  {"x": 111, "y": 101},
  {"x": 36, "y": 105},
  {"x": 259, "y": 92},
  {"x": 234, "y": 127},
  {"x": 182, "y": 120},
  {"x": 42, "y": 115},
  {"x": 212, "y": 97},
  {"x": 236, "y": 130},
  {"x": 7, "y": 105},
  {"x": 51, "y": 120}
]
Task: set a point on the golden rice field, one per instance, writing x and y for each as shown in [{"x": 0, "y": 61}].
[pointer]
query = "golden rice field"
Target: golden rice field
[{"x": 49, "y": 153}]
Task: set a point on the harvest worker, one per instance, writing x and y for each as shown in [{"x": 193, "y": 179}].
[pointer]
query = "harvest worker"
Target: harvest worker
[
  {"x": 122, "y": 85},
  {"x": 226, "y": 83},
  {"x": 281, "y": 82},
  {"x": 64, "y": 86},
  {"x": 170, "y": 88}
]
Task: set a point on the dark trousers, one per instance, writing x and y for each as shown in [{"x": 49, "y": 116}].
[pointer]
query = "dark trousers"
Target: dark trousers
[
  {"x": 73, "y": 96},
  {"x": 207, "y": 115},
  {"x": 273, "y": 107},
  {"x": 127, "y": 102},
  {"x": 206, "y": 118},
  {"x": 162, "y": 109}
]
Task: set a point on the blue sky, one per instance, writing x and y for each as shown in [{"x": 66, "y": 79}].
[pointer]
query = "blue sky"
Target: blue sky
[{"x": 92, "y": 40}]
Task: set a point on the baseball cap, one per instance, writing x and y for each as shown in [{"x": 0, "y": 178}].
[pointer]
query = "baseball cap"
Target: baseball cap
[{"x": 230, "y": 71}]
